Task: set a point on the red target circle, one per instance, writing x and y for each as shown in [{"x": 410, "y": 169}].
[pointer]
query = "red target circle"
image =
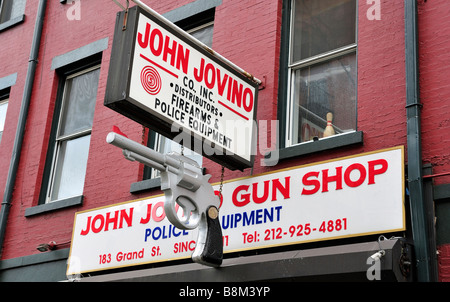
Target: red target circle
[{"x": 151, "y": 80}]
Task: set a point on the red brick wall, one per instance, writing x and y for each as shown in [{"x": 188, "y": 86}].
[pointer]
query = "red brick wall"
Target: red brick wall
[
  {"x": 434, "y": 34},
  {"x": 434, "y": 47}
]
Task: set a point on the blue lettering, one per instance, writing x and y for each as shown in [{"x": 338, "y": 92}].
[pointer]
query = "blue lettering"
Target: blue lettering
[
  {"x": 147, "y": 233},
  {"x": 249, "y": 219},
  {"x": 236, "y": 219},
  {"x": 227, "y": 224},
  {"x": 278, "y": 212},
  {"x": 259, "y": 216},
  {"x": 268, "y": 215},
  {"x": 158, "y": 233}
]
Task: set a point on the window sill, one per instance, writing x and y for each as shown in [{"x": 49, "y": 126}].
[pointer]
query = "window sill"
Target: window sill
[
  {"x": 148, "y": 184},
  {"x": 56, "y": 205},
  {"x": 337, "y": 141},
  {"x": 12, "y": 22}
]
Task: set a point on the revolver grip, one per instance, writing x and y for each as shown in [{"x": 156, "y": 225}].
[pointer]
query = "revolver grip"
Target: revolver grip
[{"x": 209, "y": 249}]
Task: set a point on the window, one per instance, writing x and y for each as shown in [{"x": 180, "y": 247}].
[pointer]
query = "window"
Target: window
[
  {"x": 321, "y": 94},
  {"x": 11, "y": 9},
  {"x": 164, "y": 145},
  {"x": 73, "y": 135},
  {"x": 3, "y": 108}
]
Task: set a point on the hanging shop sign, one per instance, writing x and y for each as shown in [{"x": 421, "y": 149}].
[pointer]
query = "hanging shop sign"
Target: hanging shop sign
[
  {"x": 166, "y": 82},
  {"x": 346, "y": 197}
]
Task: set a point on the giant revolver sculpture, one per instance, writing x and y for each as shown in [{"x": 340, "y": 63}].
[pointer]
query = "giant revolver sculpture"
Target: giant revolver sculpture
[{"x": 183, "y": 183}]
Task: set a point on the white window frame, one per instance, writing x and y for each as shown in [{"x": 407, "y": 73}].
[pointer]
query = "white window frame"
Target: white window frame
[
  {"x": 292, "y": 110},
  {"x": 2, "y": 102},
  {"x": 60, "y": 139}
]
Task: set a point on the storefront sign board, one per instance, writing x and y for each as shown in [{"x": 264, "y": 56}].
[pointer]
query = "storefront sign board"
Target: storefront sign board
[
  {"x": 170, "y": 84},
  {"x": 346, "y": 197}
]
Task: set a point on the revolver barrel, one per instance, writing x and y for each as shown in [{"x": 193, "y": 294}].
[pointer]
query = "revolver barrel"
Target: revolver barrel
[{"x": 136, "y": 152}]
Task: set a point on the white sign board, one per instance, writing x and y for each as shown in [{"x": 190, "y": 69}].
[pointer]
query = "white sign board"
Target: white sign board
[
  {"x": 173, "y": 84},
  {"x": 346, "y": 197}
]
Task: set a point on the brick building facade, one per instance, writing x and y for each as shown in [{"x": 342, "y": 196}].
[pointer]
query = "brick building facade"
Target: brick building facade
[{"x": 259, "y": 36}]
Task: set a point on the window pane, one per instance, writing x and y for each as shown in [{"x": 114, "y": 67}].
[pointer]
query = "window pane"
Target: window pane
[
  {"x": 205, "y": 35},
  {"x": 79, "y": 103},
  {"x": 320, "y": 89},
  {"x": 71, "y": 168},
  {"x": 322, "y": 25},
  {"x": 3, "y": 108}
]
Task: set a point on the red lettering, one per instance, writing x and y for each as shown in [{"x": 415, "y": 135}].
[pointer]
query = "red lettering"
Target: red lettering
[
  {"x": 337, "y": 178},
  {"x": 144, "y": 43},
  {"x": 180, "y": 247},
  {"x": 158, "y": 44},
  {"x": 147, "y": 218},
  {"x": 100, "y": 222},
  {"x": 100, "y": 218},
  {"x": 183, "y": 59},
  {"x": 237, "y": 94},
  {"x": 192, "y": 245},
  {"x": 128, "y": 218},
  {"x": 360, "y": 180},
  {"x": 241, "y": 197},
  {"x": 88, "y": 227},
  {"x": 198, "y": 73},
  {"x": 285, "y": 191},
  {"x": 354, "y": 176},
  {"x": 257, "y": 199},
  {"x": 310, "y": 182},
  {"x": 373, "y": 171},
  {"x": 152, "y": 213},
  {"x": 158, "y": 48},
  {"x": 230, "y": 85},
  {"x": 245, "y": 197},
  {"x": 210, "y": 76},
  {"x": 114, "y": 220},
  {"x": 155, "y": 208},
  {"x": 172, "y": 51},
  {"x": 221, "y": 83},
  {"x": 248, "y": 99}
]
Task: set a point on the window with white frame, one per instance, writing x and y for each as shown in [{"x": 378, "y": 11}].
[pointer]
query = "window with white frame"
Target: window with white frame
[
  {"x": 73, "y": 135},
  {"x": 322, "y": 70},
  {"x": 204, "y": 34},
  {"x": 3, "y": 108}
]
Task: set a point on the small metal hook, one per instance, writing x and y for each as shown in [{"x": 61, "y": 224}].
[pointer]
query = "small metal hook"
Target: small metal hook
[{"x": 125, "y": 9}]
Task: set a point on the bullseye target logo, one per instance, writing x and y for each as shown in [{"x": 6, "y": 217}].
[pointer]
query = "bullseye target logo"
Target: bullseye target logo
[{"x": 151, "y": 80}]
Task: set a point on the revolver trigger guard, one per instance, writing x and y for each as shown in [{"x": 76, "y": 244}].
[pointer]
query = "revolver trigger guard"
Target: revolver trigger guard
[{"x": 191, "y": 214}]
